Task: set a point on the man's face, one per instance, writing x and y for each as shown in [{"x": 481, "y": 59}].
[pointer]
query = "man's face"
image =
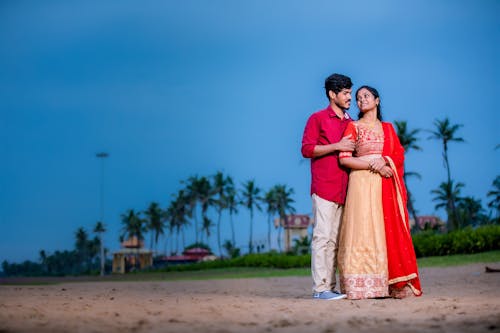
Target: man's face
[{"x": 342, "y": 99}]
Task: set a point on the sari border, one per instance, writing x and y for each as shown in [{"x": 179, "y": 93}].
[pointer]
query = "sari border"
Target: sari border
[
  {"x": 403, "y": 278},
  {"x": 398, "y": 191}
]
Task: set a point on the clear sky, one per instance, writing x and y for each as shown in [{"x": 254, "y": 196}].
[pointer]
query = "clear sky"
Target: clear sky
[{"x": 172, "y": 89}]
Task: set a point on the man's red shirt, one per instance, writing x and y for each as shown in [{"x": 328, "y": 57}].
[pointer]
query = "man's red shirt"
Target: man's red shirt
[{"x": 329, "y": 178}]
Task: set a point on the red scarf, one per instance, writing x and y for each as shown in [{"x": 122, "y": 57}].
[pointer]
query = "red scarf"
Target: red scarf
[{"x": 400, "y": 252}]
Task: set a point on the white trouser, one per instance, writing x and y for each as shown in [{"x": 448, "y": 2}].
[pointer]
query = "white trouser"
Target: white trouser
[{"x": 324, "y": 244}]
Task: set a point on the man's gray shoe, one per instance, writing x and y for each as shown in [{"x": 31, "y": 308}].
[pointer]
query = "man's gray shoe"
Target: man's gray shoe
[{"x": 329, "y": 295}]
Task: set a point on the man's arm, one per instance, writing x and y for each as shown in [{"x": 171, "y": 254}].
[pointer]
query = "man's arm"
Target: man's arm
[
  {"x": 345, "y": 144},
  {"x": 311, "y": 149}
]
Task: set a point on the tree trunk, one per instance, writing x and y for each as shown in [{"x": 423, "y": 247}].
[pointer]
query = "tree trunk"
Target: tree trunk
[
  {"x": 102, "y": 255},
  {"x": 218, "y": 234},
  {"x": 269, "y": 231},
  {"x": 232, "y": 228},
  {"x": 250, "y": 242}
]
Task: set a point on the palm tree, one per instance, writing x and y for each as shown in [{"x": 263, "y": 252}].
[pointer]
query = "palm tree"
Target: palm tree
[
  {"x": 219, "y": 189},
  {"x": 155, "y": 222},
  {"x": 199, "y": 191},
  {"x": 284, "y": 206},
  {"x": 301, "y": 246},
  {"x": 177, "y": 213},
  {"x": 495, "y": 195},
  {"x": 43, "y": 260},
  {"x": 446, "y": 132},
  {"x": 99, "y": 229},
  {"x": 192, "y": 193},
  {"x": 232, "y": 203},
  {"x": 471, "y": 211},
  {"x": 445, "y": 195},
  {"x": 270, "y": 198},
  {"x": 231, "y": 250},
  {"x": 251, "y": 200},
  {"x": 206, "y": 226},
  {"x": 133, "y": 225},
  {"x": 82, "y": 247},
  {"x": 408, "y": 140}
]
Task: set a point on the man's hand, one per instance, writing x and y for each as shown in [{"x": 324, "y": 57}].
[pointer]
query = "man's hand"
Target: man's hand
[{"x": 345, "y": 144}]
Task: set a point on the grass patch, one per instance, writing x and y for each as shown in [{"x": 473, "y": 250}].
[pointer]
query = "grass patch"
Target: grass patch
[
  {"x": 241, "y": 272},
  {"x": 459, "y": 259}
]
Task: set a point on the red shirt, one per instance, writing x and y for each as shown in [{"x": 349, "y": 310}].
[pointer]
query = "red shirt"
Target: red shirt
[{"x": 329, "y": 179}]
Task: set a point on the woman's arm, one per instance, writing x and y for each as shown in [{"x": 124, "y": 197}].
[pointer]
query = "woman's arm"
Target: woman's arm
[{"x": 355, "y": 163}]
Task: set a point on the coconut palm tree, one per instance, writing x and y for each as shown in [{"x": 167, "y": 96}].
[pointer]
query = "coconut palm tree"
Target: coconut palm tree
[
  {"x": 43, "y": 260},
  {"x": 200, "y": 192},
  {"x": 447, "y": 132},
  {"x": 445, "y": 195},
  {"x": 82, "y": 248},
  {"x": 495, "y": 195},
  {"x": 471, "y": 211},
  {"x": 133, "y": 225},
  {"x": 219, "y": 189},
  {"x": 155, "y": 222},
  {"x": 231, "y": 250},
  {"x": 271, "y": 201},
  {"x": 99, "y": 229},
  {"x": 408, "y": 140},
  {"x": 251, "y": 199},
  {"x": 232, "y": 203},
  {"x": 206, "y": 227},
  {"x": 192, "y": 194},
  {"x": 284, "y": 206},
  {"x": 177, "y": 213}
]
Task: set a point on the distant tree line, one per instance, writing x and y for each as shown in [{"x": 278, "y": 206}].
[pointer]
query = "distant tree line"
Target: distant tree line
[
  {"x": 188, "y": 211},
  {"x": 462, "y": 211},
  {"x": 85, "y": 258}
]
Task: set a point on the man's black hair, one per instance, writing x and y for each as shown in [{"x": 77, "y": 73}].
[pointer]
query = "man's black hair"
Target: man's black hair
[{"x": 337, "y": 82}]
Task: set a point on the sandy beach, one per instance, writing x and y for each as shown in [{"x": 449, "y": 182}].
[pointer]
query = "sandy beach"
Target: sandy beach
[{"x": 456, "y": 299}]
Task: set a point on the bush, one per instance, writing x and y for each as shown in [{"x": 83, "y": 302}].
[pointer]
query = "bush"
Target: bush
[
  {"x": 271, "y": 260},
  {"x": 427, "y": 243},
  {"x": 463, "y": 241}
]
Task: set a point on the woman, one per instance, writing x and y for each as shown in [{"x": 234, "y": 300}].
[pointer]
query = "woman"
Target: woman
[{"x": 376, "y": 255}]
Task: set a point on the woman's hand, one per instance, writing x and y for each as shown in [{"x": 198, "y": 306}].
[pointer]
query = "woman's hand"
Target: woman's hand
[
  {"x": 377, "y": 164},
  {"x": 386, "y": 172}
]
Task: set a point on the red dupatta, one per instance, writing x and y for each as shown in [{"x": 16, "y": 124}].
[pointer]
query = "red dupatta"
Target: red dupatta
[{"x": 401, "y": 257}]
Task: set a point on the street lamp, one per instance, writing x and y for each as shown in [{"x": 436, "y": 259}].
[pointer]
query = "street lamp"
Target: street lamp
[{"x": 102, "y": 156}]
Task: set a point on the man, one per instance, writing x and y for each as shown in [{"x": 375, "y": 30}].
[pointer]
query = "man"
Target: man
[{"x": 322, "y": 141}]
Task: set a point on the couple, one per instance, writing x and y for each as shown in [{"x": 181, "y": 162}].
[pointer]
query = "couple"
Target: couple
[{"x": 368, "y": 237}]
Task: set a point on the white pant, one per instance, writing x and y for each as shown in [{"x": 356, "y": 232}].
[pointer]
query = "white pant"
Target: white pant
[{"x": 324, "y": 244}]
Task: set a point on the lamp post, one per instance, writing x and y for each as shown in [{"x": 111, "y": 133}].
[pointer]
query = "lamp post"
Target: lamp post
[{"x": 102, "y": 156}]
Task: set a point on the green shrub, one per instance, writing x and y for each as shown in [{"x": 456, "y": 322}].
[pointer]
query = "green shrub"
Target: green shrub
[
  {"x": 427, "y": 243},
  {"x": 268, "y": 260},
  {"x": 463, "y": 241}
]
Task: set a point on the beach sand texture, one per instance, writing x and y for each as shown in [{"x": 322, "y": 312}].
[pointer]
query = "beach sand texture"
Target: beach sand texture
[{"x": 456, "y": 299}]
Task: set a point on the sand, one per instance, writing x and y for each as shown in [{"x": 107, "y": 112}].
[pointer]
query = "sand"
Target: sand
[{"x": 456, "y": 299}]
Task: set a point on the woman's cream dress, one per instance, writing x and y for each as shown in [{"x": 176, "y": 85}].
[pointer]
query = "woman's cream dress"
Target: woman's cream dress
[{"x": 362, "y": 253}]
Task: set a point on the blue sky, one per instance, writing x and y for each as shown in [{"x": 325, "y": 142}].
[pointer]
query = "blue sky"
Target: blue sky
[{"x": 173, "y": 89}]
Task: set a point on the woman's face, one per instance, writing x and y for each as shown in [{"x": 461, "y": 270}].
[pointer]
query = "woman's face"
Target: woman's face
[{"x": 366, "y": 101}]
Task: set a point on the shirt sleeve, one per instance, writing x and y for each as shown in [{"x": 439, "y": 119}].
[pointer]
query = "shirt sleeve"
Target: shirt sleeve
[
  {"x": 310, "y": 137},
  {"x": 351, "y": 129}
]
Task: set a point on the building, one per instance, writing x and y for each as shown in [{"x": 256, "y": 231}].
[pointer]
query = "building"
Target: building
[
  {"x": 132, "y": 256},
  {"x": 295, "y": 226},
  {"x": 193, "y": 255}
]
